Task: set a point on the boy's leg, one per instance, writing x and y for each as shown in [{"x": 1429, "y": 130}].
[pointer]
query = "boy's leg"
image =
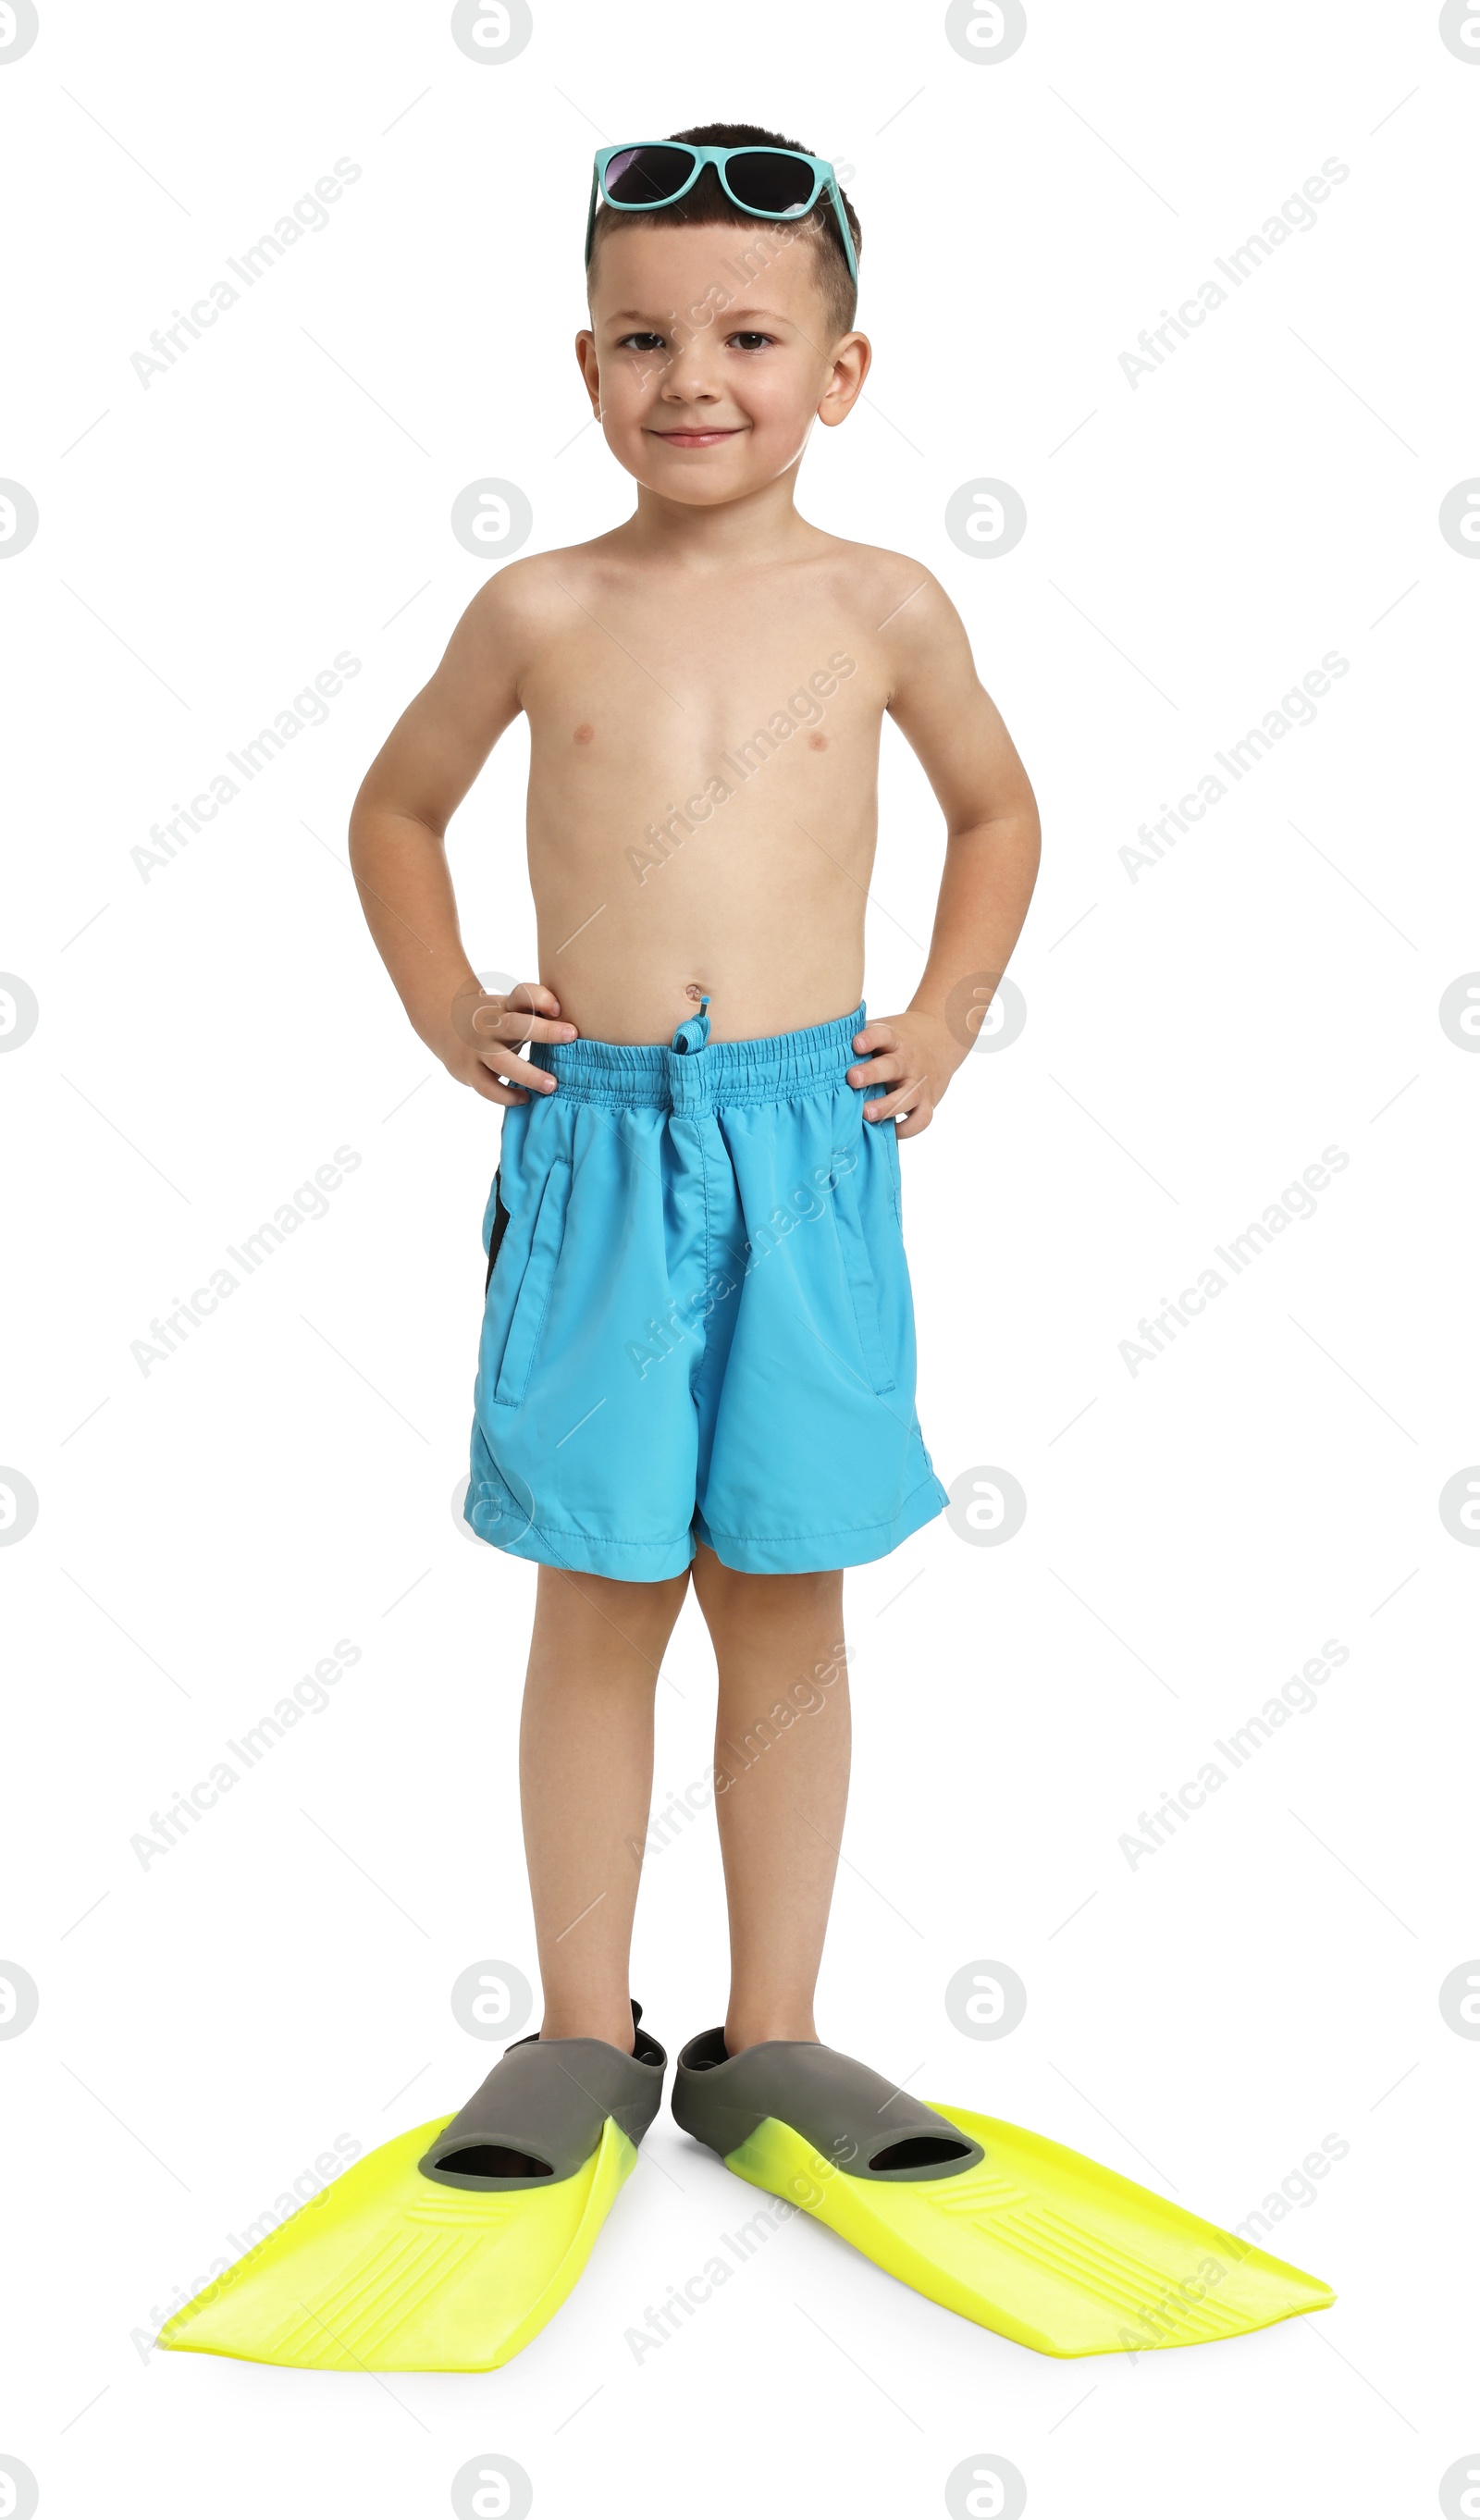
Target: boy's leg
[
  {"x": 780, "y": 1818},
  {"x": 586, "y": 1787}
]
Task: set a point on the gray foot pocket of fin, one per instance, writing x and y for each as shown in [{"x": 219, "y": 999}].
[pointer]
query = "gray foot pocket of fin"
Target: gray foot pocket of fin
[
  {"x": 539, "y": 2116},
  {"x": 850, "y": 2115}
]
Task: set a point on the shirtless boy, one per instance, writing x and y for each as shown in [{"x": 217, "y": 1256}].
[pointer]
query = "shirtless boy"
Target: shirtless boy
[{"x": 697, "y": 1357}]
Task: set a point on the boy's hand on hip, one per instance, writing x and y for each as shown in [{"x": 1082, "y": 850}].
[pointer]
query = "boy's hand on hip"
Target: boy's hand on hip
[
  {"x": 484, "y": 1025},
  {"x": 915, "y": 1058}
]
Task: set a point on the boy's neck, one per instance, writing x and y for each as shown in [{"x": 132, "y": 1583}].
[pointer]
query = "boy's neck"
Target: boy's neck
[{"x": 764, "y": 525}]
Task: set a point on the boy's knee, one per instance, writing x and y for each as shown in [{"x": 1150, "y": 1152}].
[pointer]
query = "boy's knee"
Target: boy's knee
[
  {"x": 731, "y": 1591},
  {"x": 624, "y": 1608}
]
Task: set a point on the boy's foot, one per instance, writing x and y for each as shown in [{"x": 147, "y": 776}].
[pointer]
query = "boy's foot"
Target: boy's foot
[
  {"x": 1009, "y": 2229},
  {"x": 450, "y": 2247},
  {"x": 540, "y": 2114}
]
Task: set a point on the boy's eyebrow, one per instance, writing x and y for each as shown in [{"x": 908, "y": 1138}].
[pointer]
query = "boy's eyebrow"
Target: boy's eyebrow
[{"x": 671, "y": 315}]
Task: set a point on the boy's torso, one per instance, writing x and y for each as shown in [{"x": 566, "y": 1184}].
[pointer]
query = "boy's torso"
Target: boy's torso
[{"x": 703, "y": 786}]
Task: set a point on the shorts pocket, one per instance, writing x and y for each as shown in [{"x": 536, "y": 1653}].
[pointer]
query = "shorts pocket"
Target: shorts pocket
[
  {"x": 862, "y": 1283},
  {"x": 528, "y": 1303},
  {"x": 890, "y": 1136},
  {"x": 498, "y": 1227}
]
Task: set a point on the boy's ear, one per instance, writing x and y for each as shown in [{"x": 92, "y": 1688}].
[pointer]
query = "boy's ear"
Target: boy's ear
[
  {"x": 586, "y": 360},
  {"x": 851, "y": 361}
]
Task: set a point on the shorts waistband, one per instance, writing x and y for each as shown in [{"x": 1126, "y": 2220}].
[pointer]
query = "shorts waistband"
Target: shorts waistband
[{"x": 694, "y": 1073}]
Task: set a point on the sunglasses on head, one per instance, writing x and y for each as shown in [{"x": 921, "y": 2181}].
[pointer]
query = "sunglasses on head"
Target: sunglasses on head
[{"x": 764, "y": 183}]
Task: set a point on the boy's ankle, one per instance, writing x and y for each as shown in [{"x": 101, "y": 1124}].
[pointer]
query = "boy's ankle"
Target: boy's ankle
[
  {"x": 747, "y": 2029},
  {"x": 612, "y": 2022}
]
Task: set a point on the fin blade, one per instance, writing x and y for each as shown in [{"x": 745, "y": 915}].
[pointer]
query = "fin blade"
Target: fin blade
[
  {"x": 387, "y": 2271},
  {"x": 1042, "y": 2244}
]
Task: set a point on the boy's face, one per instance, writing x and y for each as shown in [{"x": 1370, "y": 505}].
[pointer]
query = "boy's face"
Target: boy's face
[{"x": 710, "y": 355}]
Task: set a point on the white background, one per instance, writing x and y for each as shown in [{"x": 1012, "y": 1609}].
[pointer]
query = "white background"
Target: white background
[{"x": 1195, "y": 1039}]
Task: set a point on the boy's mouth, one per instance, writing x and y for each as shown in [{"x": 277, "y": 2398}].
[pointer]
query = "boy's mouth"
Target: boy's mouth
[{"x": 694, "y": 437}]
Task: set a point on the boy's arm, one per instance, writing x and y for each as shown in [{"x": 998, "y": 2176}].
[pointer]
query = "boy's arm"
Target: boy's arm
[
  {"x": 396, "y": 847},
  {"x": 992, "y": 838}
]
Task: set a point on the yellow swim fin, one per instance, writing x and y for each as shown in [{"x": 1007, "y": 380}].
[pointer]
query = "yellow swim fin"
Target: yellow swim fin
[
  {"x": 450, "y": 2247},
  {"x": 1005, "y": 2227}
]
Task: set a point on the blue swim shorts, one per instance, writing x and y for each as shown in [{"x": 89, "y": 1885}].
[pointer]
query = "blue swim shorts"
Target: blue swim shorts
[{"x": 697, "y": 1321}]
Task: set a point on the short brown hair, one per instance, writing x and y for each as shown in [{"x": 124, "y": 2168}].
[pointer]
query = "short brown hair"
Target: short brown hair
[{"x": 708, "y": 205}]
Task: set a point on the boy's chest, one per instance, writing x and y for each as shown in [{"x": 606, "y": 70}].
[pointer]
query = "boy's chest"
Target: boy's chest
[{"x": 688, "y": 678}]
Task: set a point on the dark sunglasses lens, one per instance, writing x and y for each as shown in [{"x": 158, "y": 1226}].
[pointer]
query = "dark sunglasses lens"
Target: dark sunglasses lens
[
  {"x": 635, "y": 176},
  {"x": 764, "y": 180}
]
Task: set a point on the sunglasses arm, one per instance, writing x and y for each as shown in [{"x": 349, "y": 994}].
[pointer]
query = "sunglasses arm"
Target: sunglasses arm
[{"x": 844, "y": 231}]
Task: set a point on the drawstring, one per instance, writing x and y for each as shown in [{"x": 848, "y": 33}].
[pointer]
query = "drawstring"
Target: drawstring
[{"x": 693, "y": 1034}]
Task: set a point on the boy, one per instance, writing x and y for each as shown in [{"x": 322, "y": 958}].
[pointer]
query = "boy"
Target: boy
[
  {"x": 698, "y": 1356},
  {"x": 699, "y": 876}
]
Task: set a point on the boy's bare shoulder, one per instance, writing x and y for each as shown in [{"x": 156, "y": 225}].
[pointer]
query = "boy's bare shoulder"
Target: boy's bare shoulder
[
  {"x": 890, "y": 584},
  {"x": 511, "y": 622},
  {"x": 903, "y": 616},
  {"x": 526, "y": 595}
]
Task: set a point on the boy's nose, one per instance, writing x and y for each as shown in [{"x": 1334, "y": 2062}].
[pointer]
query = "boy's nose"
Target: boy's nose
[{"x": 689, "y": 375}]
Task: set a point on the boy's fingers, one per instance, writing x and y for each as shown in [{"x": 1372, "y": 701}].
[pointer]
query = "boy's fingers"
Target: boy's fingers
[
  {"x": 905, "y": 1096},
  {"x": 528, "y": 1012},
  {"x": 886, "y": 1062},
  {"x": 517, "y": 1071},
  {"x": 532, "y": 994},
  {"x": 919, "y": 1119},
  {"x": 490, "y": 1091},
  {"x": 874, "y": 1036},
  {"x": 513, "y": 1024}
]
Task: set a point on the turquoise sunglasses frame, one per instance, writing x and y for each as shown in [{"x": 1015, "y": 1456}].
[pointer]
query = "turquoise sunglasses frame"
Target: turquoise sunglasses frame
[{"x": 823, "y": 180}]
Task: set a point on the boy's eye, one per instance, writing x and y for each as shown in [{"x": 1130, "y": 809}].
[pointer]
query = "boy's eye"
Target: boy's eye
[
  {"x": 648, "y": 342},
  {"x": 750, "y": 340}
]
